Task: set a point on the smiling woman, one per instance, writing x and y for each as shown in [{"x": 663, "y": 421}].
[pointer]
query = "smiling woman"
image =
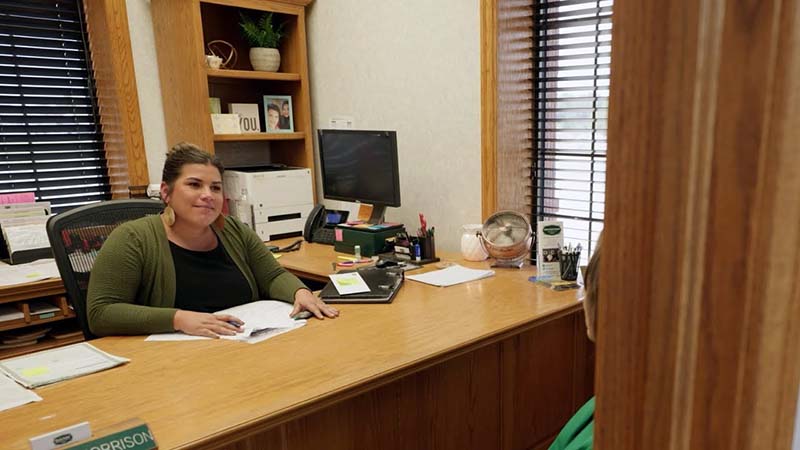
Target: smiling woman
[{"x": 171, "y": 272}]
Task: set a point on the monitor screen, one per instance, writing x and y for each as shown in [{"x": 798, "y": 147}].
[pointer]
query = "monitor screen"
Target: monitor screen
[{"x": 360, "y": 166}]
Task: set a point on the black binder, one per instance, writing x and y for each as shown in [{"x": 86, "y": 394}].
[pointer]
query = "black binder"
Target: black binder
[{"x": 383, "y": 286}]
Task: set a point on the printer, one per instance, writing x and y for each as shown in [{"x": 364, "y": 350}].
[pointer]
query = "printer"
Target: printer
[{"x": 273, "y": 201}]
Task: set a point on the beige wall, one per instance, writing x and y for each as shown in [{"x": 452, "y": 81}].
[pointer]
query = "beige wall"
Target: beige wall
[
  {"x": 145, "y": 66},
  {"x": 412, "y": 66}
]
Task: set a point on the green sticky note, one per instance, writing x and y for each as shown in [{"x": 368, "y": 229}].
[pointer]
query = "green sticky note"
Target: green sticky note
[{"x": 35, "y": 371}]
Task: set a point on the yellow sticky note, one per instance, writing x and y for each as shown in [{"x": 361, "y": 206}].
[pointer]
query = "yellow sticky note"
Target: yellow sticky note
[{"x": 35, "y": 371}]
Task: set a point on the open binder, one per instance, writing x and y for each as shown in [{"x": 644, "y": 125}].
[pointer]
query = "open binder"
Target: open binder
[{"x": 383, "y": 286}]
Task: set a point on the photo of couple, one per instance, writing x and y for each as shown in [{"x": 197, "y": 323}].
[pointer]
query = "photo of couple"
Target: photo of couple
[{"x": 278, "y": 113}]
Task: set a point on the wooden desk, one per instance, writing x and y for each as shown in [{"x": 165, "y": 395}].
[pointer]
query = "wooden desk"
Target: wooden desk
[{"x": 495, "y": 363}]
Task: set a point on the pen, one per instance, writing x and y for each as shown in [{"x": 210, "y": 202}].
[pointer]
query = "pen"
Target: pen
[{"x": 302, "y": 315}]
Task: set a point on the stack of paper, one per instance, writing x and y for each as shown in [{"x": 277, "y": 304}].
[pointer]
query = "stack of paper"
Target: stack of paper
[
  {"x": 28, "y": 273},
  {"x": 12, "y": 394},
  {"x": 50, "y": 366},
  {"x": 262, "y": 320},
  {"x": 452, "y": 275},
  {"x": 23, "y": 229}
]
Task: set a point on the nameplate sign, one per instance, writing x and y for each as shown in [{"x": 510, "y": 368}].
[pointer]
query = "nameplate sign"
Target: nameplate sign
[
  {"x": 62, "y": 437},
  {"x": 137, "y": 437}
]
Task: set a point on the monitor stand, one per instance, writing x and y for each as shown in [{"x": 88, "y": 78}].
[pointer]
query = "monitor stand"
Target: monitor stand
[{"x": 378, "y": 212}]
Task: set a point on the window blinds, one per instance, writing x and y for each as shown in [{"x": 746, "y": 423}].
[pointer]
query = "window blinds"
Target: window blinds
[
  {"x": 50, "y": 137},
  {"x": 572, "y": 57}
]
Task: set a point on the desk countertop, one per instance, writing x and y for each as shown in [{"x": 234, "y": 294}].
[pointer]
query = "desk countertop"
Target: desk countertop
[{"x": 197, "y": 392}]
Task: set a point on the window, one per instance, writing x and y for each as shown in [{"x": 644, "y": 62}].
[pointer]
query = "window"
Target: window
[
  {"x": 50, "y": 137},
  {"x": 572, "y": 56}
]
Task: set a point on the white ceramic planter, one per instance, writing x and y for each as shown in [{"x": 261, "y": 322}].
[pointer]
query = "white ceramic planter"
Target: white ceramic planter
[{"x": 266, "y": 59}]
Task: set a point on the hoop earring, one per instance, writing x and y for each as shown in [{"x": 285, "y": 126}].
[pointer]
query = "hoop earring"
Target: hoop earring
[
  {"x": 219, "y": 222},
  {"x": 168, "y": 216}
]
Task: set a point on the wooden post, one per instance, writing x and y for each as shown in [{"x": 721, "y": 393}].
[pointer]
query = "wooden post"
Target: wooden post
[{"x": 698, "y": 342}]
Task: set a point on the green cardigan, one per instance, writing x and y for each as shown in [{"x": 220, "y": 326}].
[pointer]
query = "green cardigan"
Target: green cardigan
[
  {"x": 132, "y": 285},
  {"x": 578, "y": 432}
]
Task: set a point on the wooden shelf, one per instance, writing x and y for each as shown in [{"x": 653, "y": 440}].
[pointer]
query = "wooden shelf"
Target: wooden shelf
[
  {"x": 259, "y": 137},
  {"x": 187, "y": 83},
  {"x": 13, "y": 293},
  {"x": 21, "y": 323},
  {"x": 252, "y": 75},
  {"x": 44, "y": 344}
]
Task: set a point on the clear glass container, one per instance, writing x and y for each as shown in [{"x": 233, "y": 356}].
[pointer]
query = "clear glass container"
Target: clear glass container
[{"x": 471, "y": 246}]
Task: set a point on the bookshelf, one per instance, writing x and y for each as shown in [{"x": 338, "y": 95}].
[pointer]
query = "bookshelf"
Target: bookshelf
[
  {"x": 62, "y": 322},
  {"x": 183, "y": 28}
]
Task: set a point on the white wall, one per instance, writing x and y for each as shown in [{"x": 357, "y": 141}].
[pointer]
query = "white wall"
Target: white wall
[
  {"x": 411, "y": 66},
  {"x": 145, "y": 65}
]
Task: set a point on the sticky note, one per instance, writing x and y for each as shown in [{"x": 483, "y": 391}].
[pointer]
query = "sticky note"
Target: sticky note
[{"x": 35, "y": 371}]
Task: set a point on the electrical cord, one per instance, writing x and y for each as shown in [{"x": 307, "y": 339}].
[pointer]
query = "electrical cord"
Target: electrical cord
[{"x": 293, "y": 247}]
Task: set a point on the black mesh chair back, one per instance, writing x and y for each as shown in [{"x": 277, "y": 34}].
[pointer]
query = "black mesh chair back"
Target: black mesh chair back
[{"x": 76, "y": 237}]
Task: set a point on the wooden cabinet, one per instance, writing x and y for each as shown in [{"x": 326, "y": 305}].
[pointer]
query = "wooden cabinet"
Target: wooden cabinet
[
  {"x": 56, "y": 317},
  {"x": 183, "y": 28}
]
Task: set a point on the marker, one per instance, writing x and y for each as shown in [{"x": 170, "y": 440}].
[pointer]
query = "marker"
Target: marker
[{"x": 302, "y": 315}]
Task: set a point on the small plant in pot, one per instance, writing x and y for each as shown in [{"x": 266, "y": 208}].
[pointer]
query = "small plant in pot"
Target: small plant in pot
[{"x": 264, "y": 38}]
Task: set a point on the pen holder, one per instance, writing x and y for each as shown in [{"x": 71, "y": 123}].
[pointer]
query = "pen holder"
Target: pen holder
[
  {"x": 428, "y": 246},
  {"x": 568, "y": 263}
]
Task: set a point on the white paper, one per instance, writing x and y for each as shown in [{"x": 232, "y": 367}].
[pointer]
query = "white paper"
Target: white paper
[
  {"x": 26, "y": 237},
  {"x": 50, "y": 366},
  {"x": 9, "y": 312},
  {"x": 13, "y": 395},
  {"x": 549, "y": 239},
  {"x": 38, "y": 307},
  {"x": 349, "y": 283},
  {"x": 225, "y": 123},
  {"x": 27, "y": 209},
  {"x": 27, "y": 273},
  {"x": 452, "y": 275},
  {"x": 262, "y": 319},
  {"x": 164, "y": 337}
]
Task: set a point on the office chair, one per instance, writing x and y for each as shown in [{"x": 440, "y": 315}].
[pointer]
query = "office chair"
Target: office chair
[{"x": 77, "y": 235}]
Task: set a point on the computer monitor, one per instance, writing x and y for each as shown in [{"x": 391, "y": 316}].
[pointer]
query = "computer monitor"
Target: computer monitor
[{"x": 360, "y": 166}]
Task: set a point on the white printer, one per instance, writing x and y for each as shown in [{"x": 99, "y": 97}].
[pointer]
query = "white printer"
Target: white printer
[{"x": 274, "y": 201}]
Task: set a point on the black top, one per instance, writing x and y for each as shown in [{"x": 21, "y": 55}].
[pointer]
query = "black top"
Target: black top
[{"x": 207, "y": 281}]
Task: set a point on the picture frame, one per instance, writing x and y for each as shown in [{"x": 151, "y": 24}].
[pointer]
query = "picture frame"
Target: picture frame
[{"x": 280, "y": 106}]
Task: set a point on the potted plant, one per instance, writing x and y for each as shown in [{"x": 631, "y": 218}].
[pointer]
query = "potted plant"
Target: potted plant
[{"x": 264, "y": 38}]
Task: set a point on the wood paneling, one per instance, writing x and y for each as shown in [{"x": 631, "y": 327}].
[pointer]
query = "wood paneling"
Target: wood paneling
[
  {"x": 117, "y": 97},
  {"x": 488, "y": 108},
  {"x": 182, "y": 72},
  {"x": 537, "y": 402},
  {"x": 506, "y": 105},
  {"x": 514, "y": 105},
  {"x": 699, "y": 289},
  {"x": 458, "y": 404}
]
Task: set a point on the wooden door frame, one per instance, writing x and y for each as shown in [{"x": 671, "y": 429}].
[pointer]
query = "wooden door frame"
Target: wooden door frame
[
  {"x": 117, "y": 96},
  {"x": 488, "y": 34},
  {"x": 698, "y": 345}
]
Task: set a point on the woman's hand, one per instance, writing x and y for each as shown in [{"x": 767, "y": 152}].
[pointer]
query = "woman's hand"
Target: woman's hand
[
  {"x": 304, "y": 300},
  {"x": 204, "y": 324}
]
